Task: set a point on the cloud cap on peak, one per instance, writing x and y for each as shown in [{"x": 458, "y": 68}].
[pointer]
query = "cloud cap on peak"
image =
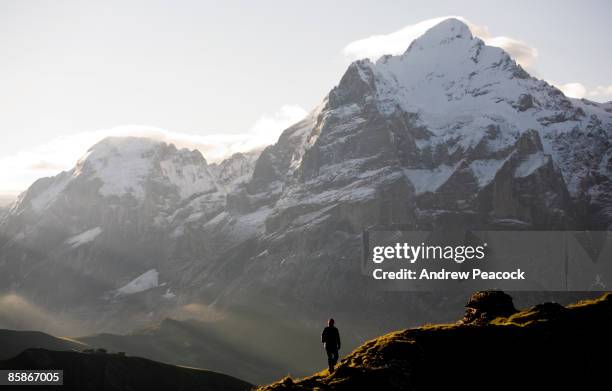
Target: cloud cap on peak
[
  {"x": 61, "y": 153},
  {"x": 397, "y": 42}
]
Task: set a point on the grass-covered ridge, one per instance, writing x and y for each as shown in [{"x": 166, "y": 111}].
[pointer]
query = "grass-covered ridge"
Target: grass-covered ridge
[{"x": 493, "y": 347}]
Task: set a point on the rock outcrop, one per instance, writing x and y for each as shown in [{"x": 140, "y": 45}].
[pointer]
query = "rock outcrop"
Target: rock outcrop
[{"x": 485, "y": 306}]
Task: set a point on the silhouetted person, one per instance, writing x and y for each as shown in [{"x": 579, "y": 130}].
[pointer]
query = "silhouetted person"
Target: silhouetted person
[{"x": 331, "y": 340}]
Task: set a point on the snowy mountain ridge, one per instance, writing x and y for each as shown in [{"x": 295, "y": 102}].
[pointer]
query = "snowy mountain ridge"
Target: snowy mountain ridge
[
  {"x": 458, "y": 88},
  {"x": 120, "y": 166}
]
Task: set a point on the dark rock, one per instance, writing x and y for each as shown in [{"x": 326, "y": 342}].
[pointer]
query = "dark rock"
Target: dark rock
[
  {"x": 524, "y": 102},
  {"x": 484, "y": 306}
]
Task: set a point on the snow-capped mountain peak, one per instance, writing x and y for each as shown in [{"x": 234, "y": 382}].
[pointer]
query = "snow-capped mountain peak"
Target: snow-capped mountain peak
[
  {"x": 134, "y": 167},
  {"x": 443, "y": 33},
  {"x": 450, "y": 110},
  {"x": 447, "y": 67},
  {"x": 124, "y": 165}
]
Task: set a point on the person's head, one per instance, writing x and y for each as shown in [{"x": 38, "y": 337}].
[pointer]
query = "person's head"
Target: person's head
[{"x": 330, "y": 322}]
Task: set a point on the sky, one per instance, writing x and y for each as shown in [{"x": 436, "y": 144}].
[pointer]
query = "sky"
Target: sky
[{"x": 229, "y": 76}]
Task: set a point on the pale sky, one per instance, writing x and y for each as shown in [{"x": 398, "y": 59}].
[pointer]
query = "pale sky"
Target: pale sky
[{"x": 226, "y": 75}]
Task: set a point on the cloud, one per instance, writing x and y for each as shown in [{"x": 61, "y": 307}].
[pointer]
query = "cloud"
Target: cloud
[
  {"x": 573, "y": 90},
  {"x": 521, "y": 52},
  {"x": 268, "y": 127},
  {"x": 604, "y": 92},
  {"x": 7, "y": 198},
  {"x": 18, "y": 313},
  {"x": 22, "y": 168},
  {"x": 578, "y": 90},
  {"x": 398, "y": 41}
]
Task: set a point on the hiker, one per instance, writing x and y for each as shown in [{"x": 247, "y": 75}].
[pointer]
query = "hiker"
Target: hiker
[{"x": 331, "y": 340}]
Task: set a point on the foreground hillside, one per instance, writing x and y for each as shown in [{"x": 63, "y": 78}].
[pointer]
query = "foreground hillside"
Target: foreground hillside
[
  {"x": 98, "y": 370},
  {"x": 494, "y": 346}
]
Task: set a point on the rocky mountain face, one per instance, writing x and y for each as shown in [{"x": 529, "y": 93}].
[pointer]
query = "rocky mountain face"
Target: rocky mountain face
[
  {"x": 462, "y": 130},
  {"x": 235, "y": 170},
  {"x": 452, "y": 133},
  {"x": 106, "y": 229}
]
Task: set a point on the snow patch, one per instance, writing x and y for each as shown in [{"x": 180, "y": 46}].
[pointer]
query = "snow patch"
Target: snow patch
[
  {"x": 168, "y": 294},
  {"x": 146, "y": 281},
  {"x": 190, "y": 179},
  {"x": 194, "y": 217},
  {"x": 84, "y": 237},
  {"x": 122, "y": 164},
  {"x": 249, "y": 225},
  {"x": 425, "y": 180},
  {"x": 485, "y": 170},
  {"x": 530, "y": 164}
]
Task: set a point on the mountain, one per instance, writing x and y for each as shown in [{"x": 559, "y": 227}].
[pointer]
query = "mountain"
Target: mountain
[
  {"x": 14, "y": 342},
  {"x": 451, "y": 133},
  {"x": 105, "y": 229},
  {"x": 244, "y": 344},
  {"x": 34, "y": 349},
  {"x": 99, "y": 370},
  {"x": 460, "y": 129},
  {"x": 494, "y": 346},
  {"x": 235, "y": 170}
]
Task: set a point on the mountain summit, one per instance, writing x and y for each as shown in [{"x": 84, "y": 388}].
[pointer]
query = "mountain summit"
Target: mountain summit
[
  {"x": 446, "y": 32},
  {"x": 126, "y": 166}
]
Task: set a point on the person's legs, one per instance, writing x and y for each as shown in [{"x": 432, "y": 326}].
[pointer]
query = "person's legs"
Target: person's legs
[
  {"x": 332, "y": 359},
  {"x": 335, "y": 357}
]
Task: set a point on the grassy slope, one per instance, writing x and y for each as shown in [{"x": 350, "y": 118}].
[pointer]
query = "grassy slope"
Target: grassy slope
[{"x": 543, "y": 346}]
